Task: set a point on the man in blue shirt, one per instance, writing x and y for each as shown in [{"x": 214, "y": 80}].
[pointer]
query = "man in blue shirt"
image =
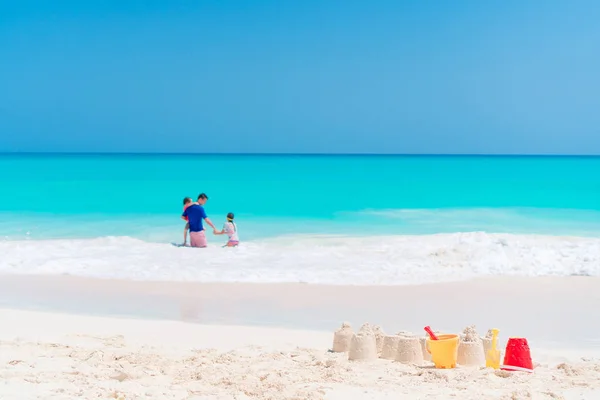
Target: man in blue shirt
[{"x": 195, "y": 215}]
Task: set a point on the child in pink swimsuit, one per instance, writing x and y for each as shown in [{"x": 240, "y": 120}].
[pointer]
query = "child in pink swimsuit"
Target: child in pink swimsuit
[
  {"x": 186, "y": 203},
  {"x": 229, "y": 229}
]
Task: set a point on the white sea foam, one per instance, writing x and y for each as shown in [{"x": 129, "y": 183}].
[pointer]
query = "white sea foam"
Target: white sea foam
[{"x": 312, "y": 259}]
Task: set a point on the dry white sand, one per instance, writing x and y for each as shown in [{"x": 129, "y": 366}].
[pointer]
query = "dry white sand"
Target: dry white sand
[{"x": 54, "y": 356}]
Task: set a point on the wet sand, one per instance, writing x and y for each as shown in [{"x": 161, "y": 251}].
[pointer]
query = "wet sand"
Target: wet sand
[{"x": 530, "y": 307}]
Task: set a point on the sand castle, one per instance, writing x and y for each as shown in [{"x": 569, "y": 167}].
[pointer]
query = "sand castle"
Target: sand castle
[
  {"x": 370, "y": 342},
  {"x": 363, "y": 345},
  {"x": 423, "y": 343},
  {"x": 470, "y": 348},
  {"x": 487, "y": 341},
  {"x": 390, "y": 347},
  {"x": 409, "y": 350},
  {"x": 379, "y": 336},
  {"x": 342, "y": 338}
]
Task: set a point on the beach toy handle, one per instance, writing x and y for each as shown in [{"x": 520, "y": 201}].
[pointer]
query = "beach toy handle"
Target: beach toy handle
[
  {"x": 492, "y": 358},
  {"x": 430, "y": 333}
]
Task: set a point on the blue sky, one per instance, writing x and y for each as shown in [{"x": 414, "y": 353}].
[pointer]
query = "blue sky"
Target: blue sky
[{"x": 511, "y": 77}]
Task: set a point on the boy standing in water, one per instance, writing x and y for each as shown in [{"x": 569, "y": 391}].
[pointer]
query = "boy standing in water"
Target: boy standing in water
[
  {"x": 230, "y": 228},
  {"x": 186, "y": 203}
]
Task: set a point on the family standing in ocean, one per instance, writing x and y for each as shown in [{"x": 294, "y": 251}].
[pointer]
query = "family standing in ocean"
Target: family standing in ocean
[{"x": 194, "y": 215}]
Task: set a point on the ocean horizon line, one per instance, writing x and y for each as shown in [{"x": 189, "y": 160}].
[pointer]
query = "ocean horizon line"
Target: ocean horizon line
[{"x": 257, "y": 154}]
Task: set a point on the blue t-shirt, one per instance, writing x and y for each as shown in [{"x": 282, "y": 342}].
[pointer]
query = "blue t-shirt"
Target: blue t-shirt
[{"x": 195, "y": 214}]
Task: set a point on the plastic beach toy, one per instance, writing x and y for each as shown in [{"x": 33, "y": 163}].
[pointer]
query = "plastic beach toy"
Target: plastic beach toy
[
  {"x": 430, "y": 333},
  {"x": 492, "y": 358},
  {"x": 517, "y": 356},
  {"x": 443, "y": 350}
]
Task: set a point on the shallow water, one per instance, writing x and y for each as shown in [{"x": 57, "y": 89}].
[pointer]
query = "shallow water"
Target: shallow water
[
  {"x": 317, "y": 219},
  {"x": 385, "y": 260}
]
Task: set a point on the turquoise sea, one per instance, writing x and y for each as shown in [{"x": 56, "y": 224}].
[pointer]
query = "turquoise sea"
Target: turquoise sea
[
  {"x": 90, "y": 195},
  {"x": 302, "y": 218}
]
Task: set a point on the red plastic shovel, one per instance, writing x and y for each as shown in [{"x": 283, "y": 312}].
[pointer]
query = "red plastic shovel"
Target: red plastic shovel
[{"x": 430, "y": 333}]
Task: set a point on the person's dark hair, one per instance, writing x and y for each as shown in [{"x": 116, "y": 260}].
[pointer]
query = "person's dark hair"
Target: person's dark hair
[
  {"x": 230, "y": 216},
  {"x": 202, "y": 196},
  {"x": 187, "y": 200}
]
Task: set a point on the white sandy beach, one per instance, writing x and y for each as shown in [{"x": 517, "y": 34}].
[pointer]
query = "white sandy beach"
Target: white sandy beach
[
  {"x": 53, "y": 356},
  {"x": 47, "y": 355}
]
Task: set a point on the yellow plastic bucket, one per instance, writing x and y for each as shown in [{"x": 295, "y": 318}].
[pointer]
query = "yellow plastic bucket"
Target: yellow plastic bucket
[{"x": 444, "y": 351}]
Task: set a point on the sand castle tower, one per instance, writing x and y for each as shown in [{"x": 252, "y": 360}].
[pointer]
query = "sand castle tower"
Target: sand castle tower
[
  {"x": 409, "y": 350},
  {"x": 379, "y": 336},
  {"x": 487, "y": 341},
  {"x": 363, "y": 345},
  {"x": 470, "y": 348},
  {"x": 342, "y": 338},
  {"x": 390, "y": 345}
]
